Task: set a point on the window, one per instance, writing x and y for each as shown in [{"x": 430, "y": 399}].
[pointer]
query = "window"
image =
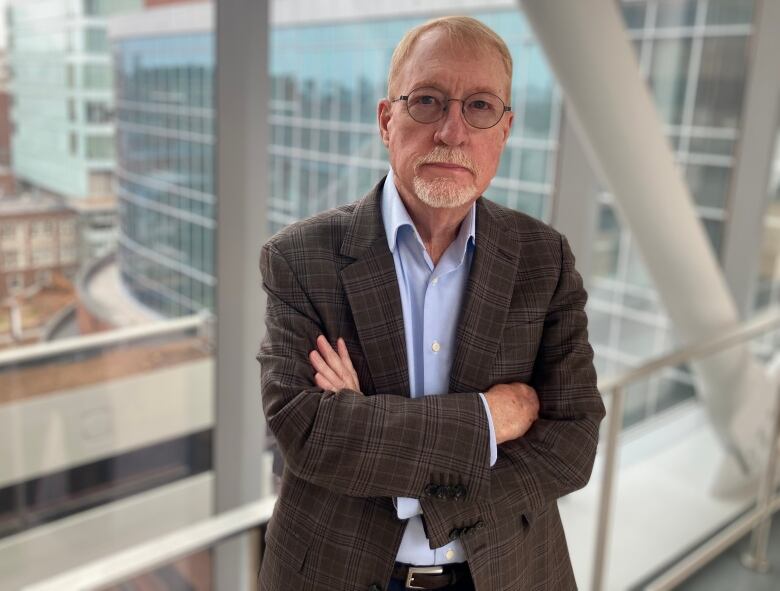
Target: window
[
  {"x": 10, "y": 260},
  {"x": 95, "y": 40},
  {"x": 100, "y": 147},
  {"x": 97, "y": 112},
  {"x": 14, "y": 282},
  {"x": 7, "y": 230},
  {"x": 42, "y": 257},
  {"x": 67, "y": 228},
  {"x": 97, "y": 76}
]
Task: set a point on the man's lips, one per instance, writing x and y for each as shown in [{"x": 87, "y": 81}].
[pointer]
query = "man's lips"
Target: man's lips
[{"x": 447, "y": 166}]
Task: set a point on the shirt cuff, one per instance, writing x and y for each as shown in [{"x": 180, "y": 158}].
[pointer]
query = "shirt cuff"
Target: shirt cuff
[
  {"x": 407, "y": 508},
  {"x": 493, "y": 444}
]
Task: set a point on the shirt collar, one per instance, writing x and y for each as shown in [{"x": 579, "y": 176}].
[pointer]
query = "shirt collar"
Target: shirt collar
[{"x": 395, "y": 216}]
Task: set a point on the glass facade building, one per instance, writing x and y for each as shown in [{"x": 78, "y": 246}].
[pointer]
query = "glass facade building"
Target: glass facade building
[
  {"x": 165, "y": 170},
  {"x": 62, "y": 84}
]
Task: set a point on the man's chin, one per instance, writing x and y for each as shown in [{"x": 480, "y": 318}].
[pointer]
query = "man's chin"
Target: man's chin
[{"x": 443, "y": 193}]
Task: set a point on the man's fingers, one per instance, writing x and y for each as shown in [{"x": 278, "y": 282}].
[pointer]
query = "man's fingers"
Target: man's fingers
[
  {"x": 323, "y": 368},
  {"x": 344, "y": 354},
  {"x": 332, "y": 358}
]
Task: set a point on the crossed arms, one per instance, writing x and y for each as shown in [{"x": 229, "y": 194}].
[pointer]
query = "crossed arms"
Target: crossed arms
[{"x": 393, "y": 446}]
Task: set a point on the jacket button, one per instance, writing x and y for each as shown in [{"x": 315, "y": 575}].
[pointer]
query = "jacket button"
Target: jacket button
[
  {"x": 441, "y": 492},
  {"x": 479, "y": 525},
  {"x": 455, "y": 534},
  {"x": 431, "y": 490},
  {"x": 460, "y": 491},
  {"x": 375, "y": 587}
]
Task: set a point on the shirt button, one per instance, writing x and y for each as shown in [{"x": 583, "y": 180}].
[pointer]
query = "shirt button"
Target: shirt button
[
  {"x": 450, "y": 554},
  {"x": 435, "y": 346},
  {"x": 435, "y": 281}
]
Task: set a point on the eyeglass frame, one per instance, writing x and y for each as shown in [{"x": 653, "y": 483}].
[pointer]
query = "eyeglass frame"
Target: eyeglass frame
[{"x": 405, "y": 98}]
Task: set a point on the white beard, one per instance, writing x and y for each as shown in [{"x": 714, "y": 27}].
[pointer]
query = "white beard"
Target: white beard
[{"x": 443, "y": 192}]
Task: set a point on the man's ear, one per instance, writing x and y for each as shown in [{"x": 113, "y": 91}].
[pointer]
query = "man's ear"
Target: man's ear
[
  {"x": 383, "y": 114},
  {"x": 508, "y": 126}
]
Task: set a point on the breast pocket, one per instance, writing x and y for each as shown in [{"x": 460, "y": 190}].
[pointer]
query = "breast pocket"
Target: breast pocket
[{"x": 519, "y": 344}]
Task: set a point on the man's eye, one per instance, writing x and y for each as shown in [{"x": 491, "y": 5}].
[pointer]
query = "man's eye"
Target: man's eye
[
  {"x": 480, "y": 105},
  {"x": 427, "y": 100}
]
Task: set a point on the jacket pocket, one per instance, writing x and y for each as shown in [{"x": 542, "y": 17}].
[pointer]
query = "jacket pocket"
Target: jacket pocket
[{"x": 287, "y": 545}]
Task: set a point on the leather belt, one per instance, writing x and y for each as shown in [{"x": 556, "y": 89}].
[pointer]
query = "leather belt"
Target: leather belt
[{"x": 430, "y": 577}]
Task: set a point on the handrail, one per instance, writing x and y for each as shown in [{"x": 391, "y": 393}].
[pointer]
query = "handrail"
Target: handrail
[
  {"x": 617, "y": 387},
  {"x": 75, "y": 344},
  {"x": 159, "y": 551},
  {"x": 741, "y": 333}
]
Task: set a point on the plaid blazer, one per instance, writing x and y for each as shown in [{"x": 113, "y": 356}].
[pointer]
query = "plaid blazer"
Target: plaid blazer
[{"x": 346, "y": 455}]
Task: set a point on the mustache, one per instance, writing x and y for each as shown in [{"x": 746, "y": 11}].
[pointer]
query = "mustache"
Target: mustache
[{"x": 444, "y": 155}]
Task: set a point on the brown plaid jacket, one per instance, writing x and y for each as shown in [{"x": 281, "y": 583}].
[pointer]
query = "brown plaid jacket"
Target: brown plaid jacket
[{"x": 346, "y": 455}]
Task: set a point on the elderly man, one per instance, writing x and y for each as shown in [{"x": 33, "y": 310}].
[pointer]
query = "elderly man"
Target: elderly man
[{"x": 426, "y": 369}]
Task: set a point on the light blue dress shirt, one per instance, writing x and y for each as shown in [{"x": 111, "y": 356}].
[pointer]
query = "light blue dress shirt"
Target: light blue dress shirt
[{"x": 431, "y": 299}]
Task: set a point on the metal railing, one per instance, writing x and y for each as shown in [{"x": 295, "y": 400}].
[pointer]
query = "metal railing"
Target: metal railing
[
  {"x": 759, "y": 518},
  {"x": 161, "y": 550},
  {"x": 199, "y": 323}
]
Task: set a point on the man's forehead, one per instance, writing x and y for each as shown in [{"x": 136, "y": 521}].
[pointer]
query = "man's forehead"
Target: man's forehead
[
  {"x": 439, "y": 61},
  {"x": 445, "y": 66}
]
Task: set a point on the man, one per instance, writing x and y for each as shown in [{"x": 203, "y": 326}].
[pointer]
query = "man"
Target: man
[{"x": 408, "y": 337}]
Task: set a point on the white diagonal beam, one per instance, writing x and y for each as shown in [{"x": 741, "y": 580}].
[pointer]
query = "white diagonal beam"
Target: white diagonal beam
[{"x": 588, "y": 49}]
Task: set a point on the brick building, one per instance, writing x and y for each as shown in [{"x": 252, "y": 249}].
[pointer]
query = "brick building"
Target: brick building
[{"x": 38, "y": 241}]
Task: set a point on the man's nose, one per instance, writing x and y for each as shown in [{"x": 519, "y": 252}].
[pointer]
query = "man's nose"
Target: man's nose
[{"x": 453, "y": 129}]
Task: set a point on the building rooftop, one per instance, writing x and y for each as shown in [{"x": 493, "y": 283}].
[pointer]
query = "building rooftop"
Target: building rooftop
[{"x": 30, "y": 204}]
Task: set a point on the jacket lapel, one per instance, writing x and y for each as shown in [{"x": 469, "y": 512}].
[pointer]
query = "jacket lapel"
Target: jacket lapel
[
  {"x": 486, "y": 303},
  {"x": 371, "y": 286}
]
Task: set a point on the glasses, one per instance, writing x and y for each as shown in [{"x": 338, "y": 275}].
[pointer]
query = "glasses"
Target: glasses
[{"x": 482, "y": 110}]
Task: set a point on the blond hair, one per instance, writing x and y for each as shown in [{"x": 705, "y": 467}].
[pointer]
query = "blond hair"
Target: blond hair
[{"x": 460, "y": 30}]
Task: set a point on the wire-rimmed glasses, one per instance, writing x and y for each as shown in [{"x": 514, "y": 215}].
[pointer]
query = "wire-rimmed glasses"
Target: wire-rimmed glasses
[{"x": 482, "y": 110}]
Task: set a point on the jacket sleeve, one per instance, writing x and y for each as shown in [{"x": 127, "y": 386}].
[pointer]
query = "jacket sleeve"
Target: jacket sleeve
[
  {"x": 381, "y": 445},
  {"x": 555, "y": 457}
]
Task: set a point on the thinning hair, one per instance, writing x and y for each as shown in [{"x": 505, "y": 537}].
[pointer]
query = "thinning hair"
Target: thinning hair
[{"x": 461, "y": 31}]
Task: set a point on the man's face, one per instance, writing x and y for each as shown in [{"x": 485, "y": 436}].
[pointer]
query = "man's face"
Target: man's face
[{"x": 447, "y": 163}]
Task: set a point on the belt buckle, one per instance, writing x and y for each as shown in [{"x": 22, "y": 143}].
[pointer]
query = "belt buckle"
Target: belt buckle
[{"x": 421, "y": 570}]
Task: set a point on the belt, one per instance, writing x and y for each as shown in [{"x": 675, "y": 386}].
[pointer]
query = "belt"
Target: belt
[{"x": 430, "y": 577}]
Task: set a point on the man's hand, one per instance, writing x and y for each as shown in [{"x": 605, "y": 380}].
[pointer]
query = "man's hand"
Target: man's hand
[
  {"x": 514, "y": 408},
  {"x": 334, "y": 370}
]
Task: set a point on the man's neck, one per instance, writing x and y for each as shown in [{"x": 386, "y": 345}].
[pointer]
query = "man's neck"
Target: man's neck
[{"x": 437, "y": 227}]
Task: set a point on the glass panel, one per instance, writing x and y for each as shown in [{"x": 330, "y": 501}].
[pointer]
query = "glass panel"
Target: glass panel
[
  {"x": 669, "y": 75},
  {"x": 677, "y": 13},
  {"x": 673, "y": 467},
  {"x": 727, "y": 12},
  {"x": 708, "y": 184},
  {"x": 104, "y": 440},
  {"x": 634, "y": 14},
  {"x": 721, "y": 85}
]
